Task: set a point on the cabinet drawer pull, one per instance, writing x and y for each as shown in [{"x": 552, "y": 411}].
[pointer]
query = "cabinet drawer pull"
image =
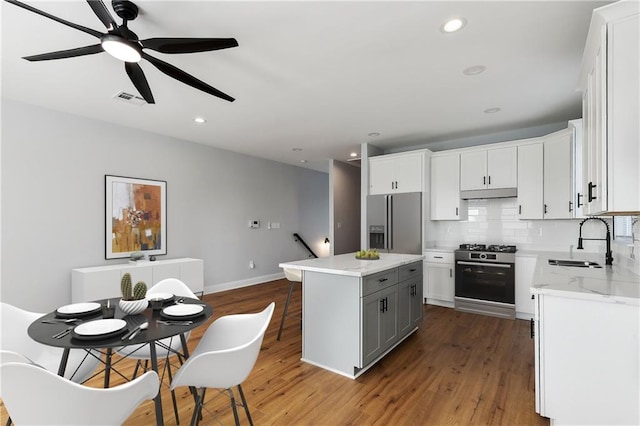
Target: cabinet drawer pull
[
  {"x": 412, "y": 270},
  {"x": 437, "y": 257},
  {"x": 381, "y": 280}
]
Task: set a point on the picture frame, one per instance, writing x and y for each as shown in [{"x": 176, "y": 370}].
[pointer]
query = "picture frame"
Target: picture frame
[{"x": 135, "y": 216}]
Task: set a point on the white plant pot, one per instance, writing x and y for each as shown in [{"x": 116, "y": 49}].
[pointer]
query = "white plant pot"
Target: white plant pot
[{"x": 133, "y": 307}]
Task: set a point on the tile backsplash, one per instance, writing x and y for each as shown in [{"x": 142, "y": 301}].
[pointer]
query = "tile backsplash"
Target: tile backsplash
[{"x": 495, "y": 221}]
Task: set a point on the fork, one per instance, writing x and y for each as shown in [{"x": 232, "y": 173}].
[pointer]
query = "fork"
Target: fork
[
  {"x": 59, "y": 320},
  {"x": 63, "y": 332}
]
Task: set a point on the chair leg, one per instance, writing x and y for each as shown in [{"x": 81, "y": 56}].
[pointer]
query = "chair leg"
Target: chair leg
[
  {"x": 244, "y": 404},
  {"x": 233, "y": 405},
  {"x": 173, "y": 393},
  {"x": 197, "y": 409},
  {"x": 286, "y": 308}
]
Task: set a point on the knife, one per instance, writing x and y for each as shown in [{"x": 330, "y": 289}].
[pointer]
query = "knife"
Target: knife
[{"x": 130, "y": 335}]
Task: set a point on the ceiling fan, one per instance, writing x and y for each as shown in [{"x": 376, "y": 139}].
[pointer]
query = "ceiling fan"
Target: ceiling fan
[{"x": 122, "y": 43}]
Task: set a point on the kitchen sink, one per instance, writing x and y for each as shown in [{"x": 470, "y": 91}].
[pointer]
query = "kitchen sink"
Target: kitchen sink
[{"x": 574, "y": 263}]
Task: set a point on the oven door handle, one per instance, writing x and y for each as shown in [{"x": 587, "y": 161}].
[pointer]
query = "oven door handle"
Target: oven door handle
[{"x": 496, "y": 265}]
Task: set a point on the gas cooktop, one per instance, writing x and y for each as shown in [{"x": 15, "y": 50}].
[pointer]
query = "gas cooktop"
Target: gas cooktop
[{"x": 494, "y": 248}]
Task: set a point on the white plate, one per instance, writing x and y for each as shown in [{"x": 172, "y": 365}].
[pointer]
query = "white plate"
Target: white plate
[
  {"x": 182, "y": 310},
  {"x": 78, "y": 308},
  {"x": 163, "y": 296},
  {"x": 100, "y": 327}
]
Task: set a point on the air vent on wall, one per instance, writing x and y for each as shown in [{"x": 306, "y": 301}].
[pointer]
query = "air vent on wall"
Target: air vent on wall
[{"x": 129, "y": 98}]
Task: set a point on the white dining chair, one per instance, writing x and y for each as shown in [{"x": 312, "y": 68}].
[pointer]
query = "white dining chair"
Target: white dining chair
[
  {"x": 14, "y": 325},
  {"x": 35, "y": 396},
  {"x": 294, "y": 276},
  {"x": 165, "y": 348},
  {"x": 224, "y": 358}
]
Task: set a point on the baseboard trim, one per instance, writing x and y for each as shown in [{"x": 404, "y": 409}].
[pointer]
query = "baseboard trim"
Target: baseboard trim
[{"x": 232, "y": 285}]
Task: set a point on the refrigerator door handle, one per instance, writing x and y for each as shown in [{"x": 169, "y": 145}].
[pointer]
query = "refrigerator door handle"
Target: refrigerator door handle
[
  {"x": 390, "y": 222},
  {"x": 386, "y": 225}
]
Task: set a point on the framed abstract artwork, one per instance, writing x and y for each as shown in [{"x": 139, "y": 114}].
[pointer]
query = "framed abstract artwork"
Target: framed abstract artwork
[{"x": 136, "y": 216}]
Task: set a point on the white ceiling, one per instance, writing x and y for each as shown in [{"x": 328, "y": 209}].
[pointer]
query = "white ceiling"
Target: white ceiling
[{"x": 319, "y": 76}]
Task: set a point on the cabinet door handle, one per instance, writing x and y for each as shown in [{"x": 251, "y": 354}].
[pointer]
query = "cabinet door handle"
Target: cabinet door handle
[
  {"x": 533, "y": 328},
  {"x": 579, "y": 203},
  {"x": 570, "y": 206},
  {"x": 450, "y": 273},
  {"x": 590, "y": 196},
  {"x": 381, "y": 305},
  {"x": 520, "y": 209},
  {"x": 489, "y": 180},
  {"x": 484, "y": 180},
  {"x": 545, "y": 209},
  {"x": 456, "y": 211}
]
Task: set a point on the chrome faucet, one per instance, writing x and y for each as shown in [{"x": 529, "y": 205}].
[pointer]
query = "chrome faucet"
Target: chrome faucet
[{"x": 608, "y": 254}]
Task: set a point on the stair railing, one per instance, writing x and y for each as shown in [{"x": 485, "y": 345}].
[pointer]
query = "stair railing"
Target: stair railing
[{"x": 299, "y": 239}]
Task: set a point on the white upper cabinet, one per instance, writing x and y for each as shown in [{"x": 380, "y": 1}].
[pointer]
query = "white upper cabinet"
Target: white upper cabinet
[
  {"x": 558, "y": 175},
  {"x": 445, "y": 187},
  {"x": 395, "y": 173},
  {"x": 530, "y": 181},
  {"x": 611, "y": 107},
  {"x": 488, "y": 169}
]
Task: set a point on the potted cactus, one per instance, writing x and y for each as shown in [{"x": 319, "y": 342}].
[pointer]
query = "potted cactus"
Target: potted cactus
[{"x": 133, "y": 297}]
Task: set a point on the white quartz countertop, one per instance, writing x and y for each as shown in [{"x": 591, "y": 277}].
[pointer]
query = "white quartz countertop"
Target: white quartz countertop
[
  {"x": 347, "y": 264},
  {"x": 617, "y": 283}
]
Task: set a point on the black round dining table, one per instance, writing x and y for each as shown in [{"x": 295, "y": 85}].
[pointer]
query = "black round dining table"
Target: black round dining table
[{"x": 46, "y": 327}]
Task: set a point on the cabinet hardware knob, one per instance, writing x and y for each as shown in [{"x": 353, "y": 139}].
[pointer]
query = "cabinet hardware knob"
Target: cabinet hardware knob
[{"x": 570, "y": 206}]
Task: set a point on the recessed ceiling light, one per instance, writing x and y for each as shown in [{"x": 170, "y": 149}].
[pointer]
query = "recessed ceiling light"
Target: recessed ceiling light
[
  {"x": 353, "y": 154},
  {"x": 474, "y": 70},
  {"x": 374, "y": 134},
  {"x": 296, "y": 149},
  {"x": 199, "y": 120},
  {"x": 492, "y": 110},
  {"x": 303, "y": 161},
  {"x": 453, "y": 25}
]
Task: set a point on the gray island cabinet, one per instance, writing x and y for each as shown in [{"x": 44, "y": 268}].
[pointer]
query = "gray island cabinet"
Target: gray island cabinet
[{"x": 356, "y": 311}]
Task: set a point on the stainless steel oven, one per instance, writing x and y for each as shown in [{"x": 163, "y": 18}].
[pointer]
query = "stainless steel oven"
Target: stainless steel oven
[{"x": 485, "y": 280}]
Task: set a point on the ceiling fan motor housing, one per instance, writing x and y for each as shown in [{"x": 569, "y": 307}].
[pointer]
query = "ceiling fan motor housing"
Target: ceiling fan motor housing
[{"x": 125, "y": 9}]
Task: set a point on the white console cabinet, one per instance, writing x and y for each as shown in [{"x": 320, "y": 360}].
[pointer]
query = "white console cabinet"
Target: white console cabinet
[{"x": 101, "y": 282}]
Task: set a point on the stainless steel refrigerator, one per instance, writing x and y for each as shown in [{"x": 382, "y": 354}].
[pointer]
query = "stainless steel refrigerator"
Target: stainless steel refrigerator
[{"x": 394, "y": 222}]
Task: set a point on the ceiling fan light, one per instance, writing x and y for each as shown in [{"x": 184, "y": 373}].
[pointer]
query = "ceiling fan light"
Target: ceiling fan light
[{"x": 121, "y": 48}]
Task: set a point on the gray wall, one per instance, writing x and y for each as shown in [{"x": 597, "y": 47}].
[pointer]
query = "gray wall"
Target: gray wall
[
  {"x": 345, "y": 187},
  {"x": 53, "y": 167}
]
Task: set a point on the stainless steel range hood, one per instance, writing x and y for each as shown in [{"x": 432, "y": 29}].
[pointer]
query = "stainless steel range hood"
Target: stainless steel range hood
[{"x": 480, "y": 194}]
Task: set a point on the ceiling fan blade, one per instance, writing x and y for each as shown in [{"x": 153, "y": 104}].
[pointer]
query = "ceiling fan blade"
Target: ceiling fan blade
[
  {"x": 188, "y": 45},
  {"x": 55, "y": 18},
  {"x": 70, "y": 53},
  {"x": 139, "y": 80},
  {"x": 182, "y": 76},
  {"x": 103, "y": 14}
]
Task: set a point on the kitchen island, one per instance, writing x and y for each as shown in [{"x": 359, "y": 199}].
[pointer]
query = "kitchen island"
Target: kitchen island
[
  {"x": 355, "y": 311},
  {"x": 587, "y": 341}
]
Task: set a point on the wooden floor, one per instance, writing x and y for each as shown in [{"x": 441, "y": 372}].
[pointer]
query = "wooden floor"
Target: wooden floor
[{"x": 457, "y": 368}]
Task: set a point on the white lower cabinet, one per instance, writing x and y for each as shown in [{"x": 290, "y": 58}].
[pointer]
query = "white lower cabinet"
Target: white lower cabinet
[
  {"x": 525, "y": 267},
  {"x": 439, "y": 278},
  {"x": 101, "y": 282},
  {"x": 587, "y": 361}
]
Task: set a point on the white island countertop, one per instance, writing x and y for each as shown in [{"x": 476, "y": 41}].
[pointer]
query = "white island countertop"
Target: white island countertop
[
  {"x": 617, "y": 283},
  {"x": 348, "y": 265}
]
